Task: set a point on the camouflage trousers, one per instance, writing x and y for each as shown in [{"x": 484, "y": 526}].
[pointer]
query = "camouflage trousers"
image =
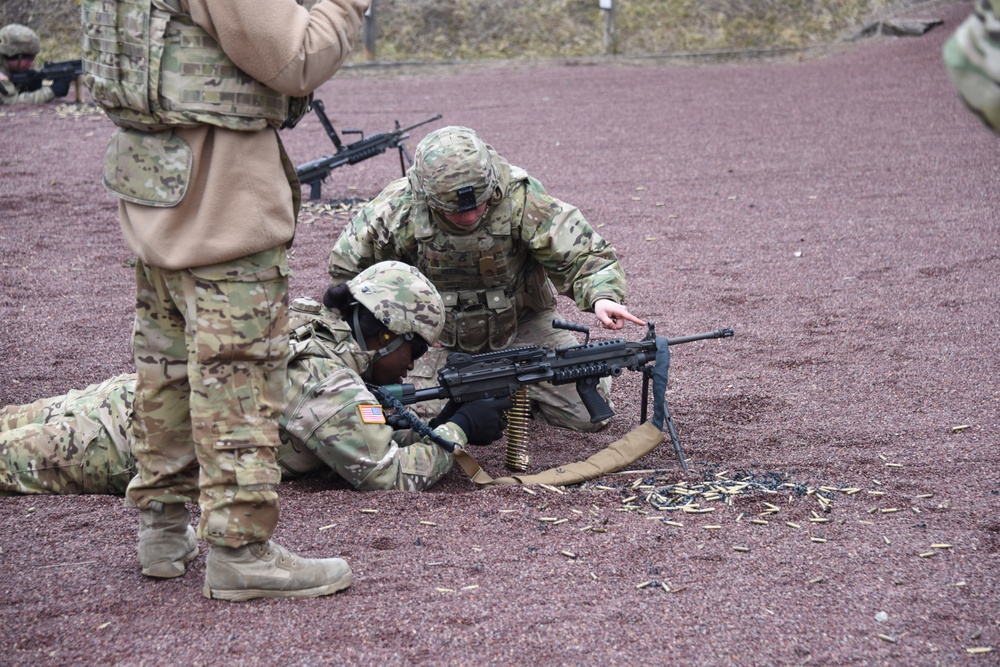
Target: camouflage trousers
[
  {"x": 556, "y": 405},
  {"x": 211, "y": 351},
  {"x": 79, "y": 442}
]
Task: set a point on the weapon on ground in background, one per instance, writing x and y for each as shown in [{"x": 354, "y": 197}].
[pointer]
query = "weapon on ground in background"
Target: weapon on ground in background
[
  {"x": 470, "y": 377},
  {"x": 314, "y": 173}
]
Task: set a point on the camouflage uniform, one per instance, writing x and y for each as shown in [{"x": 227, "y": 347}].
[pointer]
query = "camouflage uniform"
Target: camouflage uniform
[
  {"x": 972, "y": 57},
  {"x": 16, "y": 39},
  {"x": 207, "y": 201},
  {"x": 500, "y": 279},
  {"x": 82, "y": 442}
]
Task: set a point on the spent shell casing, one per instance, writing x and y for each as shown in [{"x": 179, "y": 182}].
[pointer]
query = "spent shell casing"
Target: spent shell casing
[
  {"x": 568, "y": 554},
  {"x": 941, "y": 545},
  {"x": 741, "y": 549},
  {"x": 470, "y": 587},
  {"x": 713, "y": 527},
  {"x": 759, "y": 522},
  {"x": 925, "y": 495},
  {"x": 820, "y": 540},
  {"x": 887, "y": 638},
  {"x": 445, "y": 590},
  {"x": 427, "y": 523},
  {"x": 643, "y": 584},
  {"x": 928, "y": 554},
  {"x": 979, "y": 649},
  {"x": 888, "y": 510},
  {"x": 792, "y": 524},
  {"x": 560, "y": 521},
  {"x": 369, "y": 511},
  {"x": 673, "y": 523}
]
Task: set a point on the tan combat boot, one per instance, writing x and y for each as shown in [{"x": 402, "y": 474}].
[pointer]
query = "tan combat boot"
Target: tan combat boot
[
  {"x": 167, "y": 542},
  {"x": 267, "y": 570}
]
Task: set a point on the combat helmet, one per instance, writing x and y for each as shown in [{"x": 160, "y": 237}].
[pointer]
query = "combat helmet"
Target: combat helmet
[
  {"x": 18, "y": 39},
  {"x": 453, "y": 170},
  {"x": 402, "y": 299}
]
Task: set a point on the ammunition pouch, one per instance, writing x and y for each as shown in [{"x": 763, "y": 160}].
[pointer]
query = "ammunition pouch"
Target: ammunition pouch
[{"x": 477, "y": 320}]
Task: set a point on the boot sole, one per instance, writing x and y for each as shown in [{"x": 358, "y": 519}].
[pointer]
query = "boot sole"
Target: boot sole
[
  {"x": 253, "y": 593},
  {"x": 170, "y": 569}
]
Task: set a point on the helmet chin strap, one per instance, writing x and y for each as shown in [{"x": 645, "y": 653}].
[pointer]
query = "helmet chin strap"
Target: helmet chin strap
[{"x": 359, "y": 338}]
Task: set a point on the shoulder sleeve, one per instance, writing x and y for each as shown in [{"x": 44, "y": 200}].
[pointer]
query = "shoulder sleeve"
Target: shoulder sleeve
[
  {"x": 580, "y": 263},
  {"x": 339, "y": 422},
  {"x": 378, "y": 232}
]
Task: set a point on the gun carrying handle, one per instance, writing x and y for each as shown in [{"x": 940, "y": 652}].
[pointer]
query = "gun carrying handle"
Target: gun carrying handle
[{"x": 596, "y": 406}]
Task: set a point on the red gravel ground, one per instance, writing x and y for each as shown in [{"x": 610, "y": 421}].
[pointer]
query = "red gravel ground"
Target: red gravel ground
[{"x": 838, "y": 212}]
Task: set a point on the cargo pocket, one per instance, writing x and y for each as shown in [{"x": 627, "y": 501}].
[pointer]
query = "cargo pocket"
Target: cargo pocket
[{"x": 148, "y": 168}]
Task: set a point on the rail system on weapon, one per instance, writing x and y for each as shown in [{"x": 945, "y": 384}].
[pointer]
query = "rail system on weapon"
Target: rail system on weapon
[
  {"x": 469, "y": 377},
  {"x": 314, "y": 173}
]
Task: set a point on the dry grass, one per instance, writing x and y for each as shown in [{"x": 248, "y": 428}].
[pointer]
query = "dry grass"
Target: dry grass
[{"x": 451, "y": 29}]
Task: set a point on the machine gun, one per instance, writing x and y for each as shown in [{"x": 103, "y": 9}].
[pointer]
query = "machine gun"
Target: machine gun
[
  {"x": 66, "y": 70},
  {"x": 470, "y": 377},
  {"x": 314, "y": 173}
]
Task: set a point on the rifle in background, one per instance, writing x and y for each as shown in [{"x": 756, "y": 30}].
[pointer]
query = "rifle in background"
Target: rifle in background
[
  {"x": 314, "y": 173},
  {"x": 61, "y": 74}
]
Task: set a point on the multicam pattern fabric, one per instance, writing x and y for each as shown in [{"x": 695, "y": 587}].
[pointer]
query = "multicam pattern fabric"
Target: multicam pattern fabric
[
  {"x": 972, "y": 58},
  {"x": 83, "y": 442},
  {"x": 19, "y": 39},
  {"x": 448, "y": 159},
  {"x": 401, "y": 298},
  {"x": 133, "y": 47},
  {"x": 322, "y": 424},
  {"x": 211, "y": 347},
  {"x": 79, "y": 442},
  {"x": 16, "y": 39},
  {"x": 549, "y": 245},
  {"x": 148, "y": 168}
]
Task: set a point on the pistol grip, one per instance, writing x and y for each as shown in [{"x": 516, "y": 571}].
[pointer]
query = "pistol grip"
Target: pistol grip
[{"x": 596, "y": 406}]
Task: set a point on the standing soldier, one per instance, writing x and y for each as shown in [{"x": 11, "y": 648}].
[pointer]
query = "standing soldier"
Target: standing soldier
[
  {"x": 499, "y": 248},
  {"x": 198, "y": 90},
  {"x": 370, "y": 329},
  {"x": 18, "y": 47}
]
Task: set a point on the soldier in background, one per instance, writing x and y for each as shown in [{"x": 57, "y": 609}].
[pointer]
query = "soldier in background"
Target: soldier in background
[
  {"x": 972, "y": 58},
  {"x": 18, "y": 47},
  {"x": 208, "y": 202},
  {"x": 370, "y": 329},
  {"x": 499, "y": 248}
]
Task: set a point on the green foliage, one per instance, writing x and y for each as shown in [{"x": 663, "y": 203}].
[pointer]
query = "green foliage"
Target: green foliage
[{"x": 476, "y": 29}]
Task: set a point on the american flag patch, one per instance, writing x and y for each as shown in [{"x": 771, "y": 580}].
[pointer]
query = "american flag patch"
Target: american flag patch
[{"x": 371, "y": 414}]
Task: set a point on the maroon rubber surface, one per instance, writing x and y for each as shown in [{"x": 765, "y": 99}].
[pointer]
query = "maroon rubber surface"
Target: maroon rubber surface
[{"x": 840, "y": 213}]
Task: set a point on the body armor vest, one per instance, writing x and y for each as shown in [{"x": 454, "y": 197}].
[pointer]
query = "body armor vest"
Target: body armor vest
[
  {"x": 485, "y": 278},
  {"x": 151, "y": 68}
]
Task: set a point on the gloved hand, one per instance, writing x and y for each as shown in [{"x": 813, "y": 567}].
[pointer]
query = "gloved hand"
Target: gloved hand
[
  {"x": 449, "y": 409},
  {"x": 482, "y": 421},
  {"x": 60, "y": 88}
]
